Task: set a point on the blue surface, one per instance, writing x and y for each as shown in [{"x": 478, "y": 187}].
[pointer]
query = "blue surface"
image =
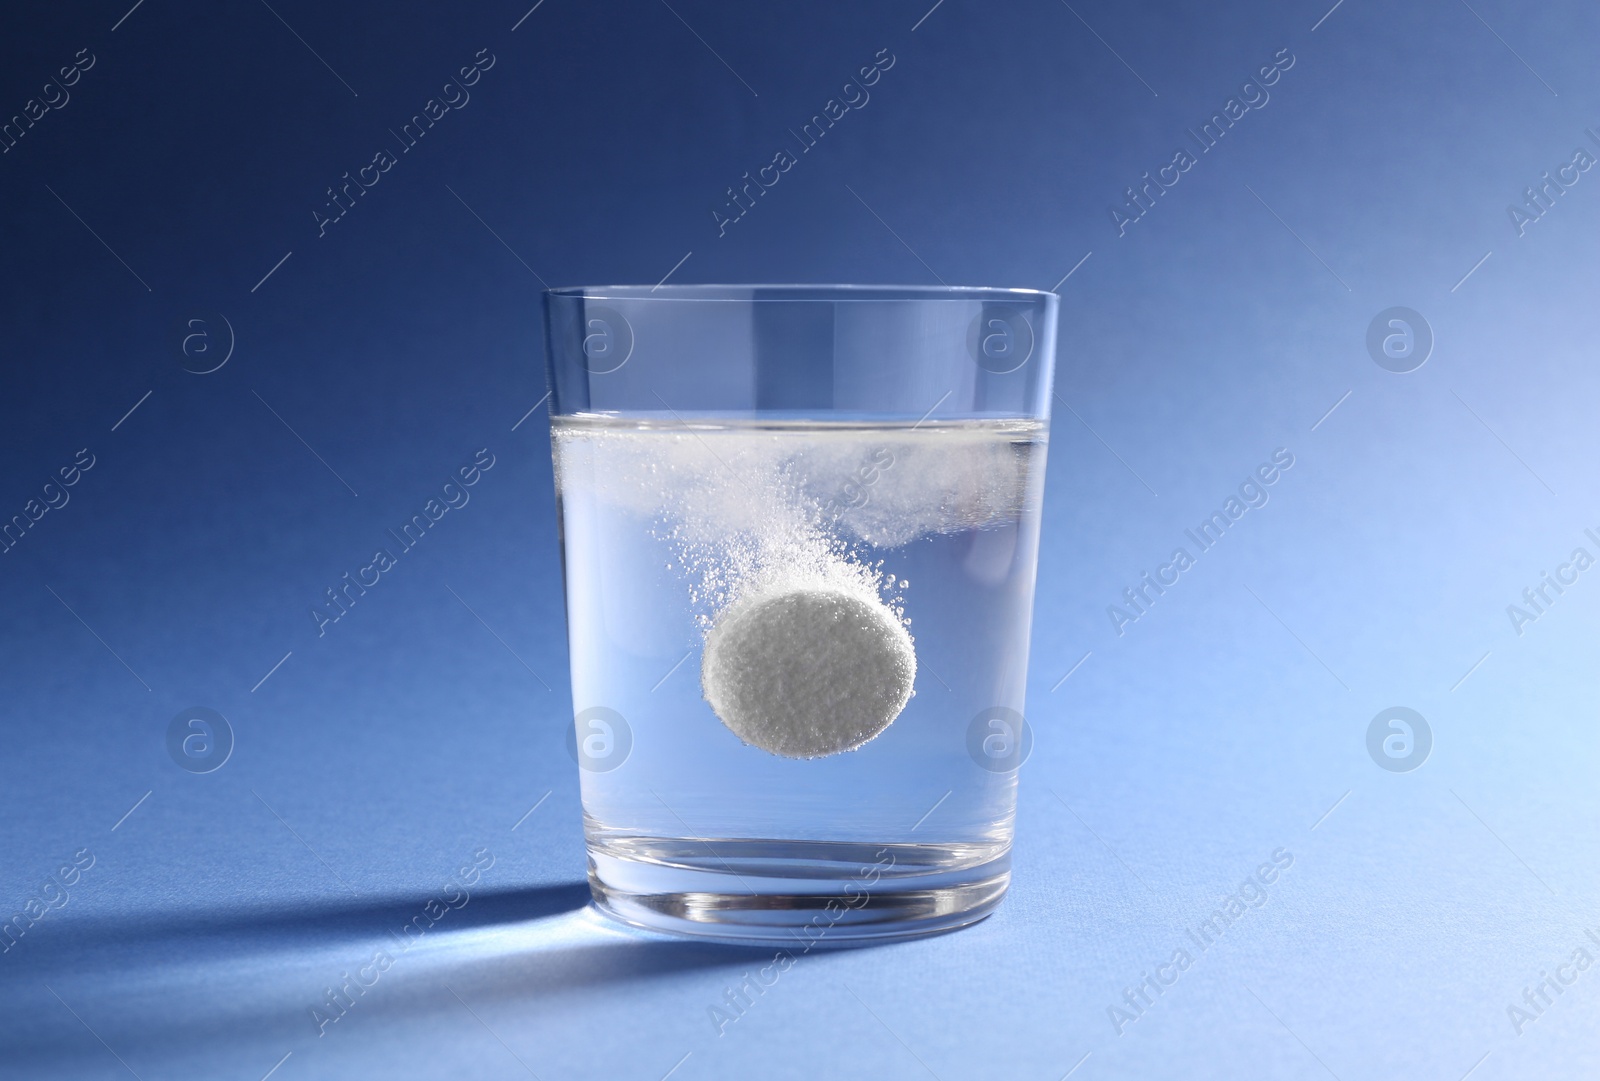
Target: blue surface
[{"x": 1229, "y": 721}]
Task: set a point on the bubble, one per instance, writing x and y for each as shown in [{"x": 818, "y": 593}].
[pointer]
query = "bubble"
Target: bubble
[{"x": 770, "y": 533}]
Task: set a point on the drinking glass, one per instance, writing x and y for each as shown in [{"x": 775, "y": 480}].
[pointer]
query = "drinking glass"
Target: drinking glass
[{"x": 799, "y": 527}]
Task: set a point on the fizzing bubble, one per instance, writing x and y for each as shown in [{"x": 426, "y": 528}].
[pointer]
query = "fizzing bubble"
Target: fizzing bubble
[
  {"x": 808, "y": 671},
  {"x": 807, "y": 647}
]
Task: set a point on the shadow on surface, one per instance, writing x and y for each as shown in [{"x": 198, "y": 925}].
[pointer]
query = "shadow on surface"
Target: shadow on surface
[
  {"x": 199, "y": 984},
  {"x": 196, "y": 934}
]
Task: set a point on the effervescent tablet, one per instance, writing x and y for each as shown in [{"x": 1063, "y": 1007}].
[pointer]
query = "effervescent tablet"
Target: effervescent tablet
[{"x": 806, "y": 671}]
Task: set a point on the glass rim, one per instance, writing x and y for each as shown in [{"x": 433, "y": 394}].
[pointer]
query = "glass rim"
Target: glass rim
[{"x": 761, "y": 293}]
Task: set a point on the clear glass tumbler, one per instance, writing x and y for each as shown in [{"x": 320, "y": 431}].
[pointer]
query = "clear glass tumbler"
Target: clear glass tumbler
[{"x": 799, "y": 527}]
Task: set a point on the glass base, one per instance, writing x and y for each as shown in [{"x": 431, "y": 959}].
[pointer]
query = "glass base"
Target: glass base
[{"x": 797, "y": 895}]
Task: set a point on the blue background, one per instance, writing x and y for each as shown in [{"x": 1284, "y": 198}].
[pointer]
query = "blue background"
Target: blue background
[{"x": 1228, "y": 721}]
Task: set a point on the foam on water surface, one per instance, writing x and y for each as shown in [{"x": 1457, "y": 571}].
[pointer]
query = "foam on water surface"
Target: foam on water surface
[{"x": 807, "y": 649}]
